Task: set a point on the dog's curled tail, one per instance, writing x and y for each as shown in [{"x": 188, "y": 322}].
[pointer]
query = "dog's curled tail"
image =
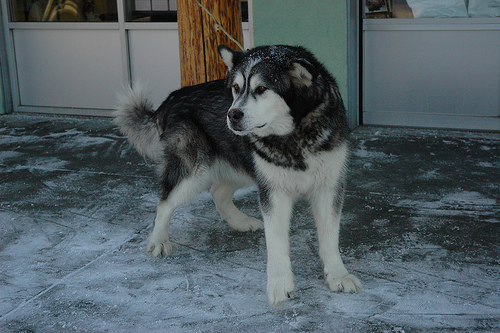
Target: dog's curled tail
[{"x": 135, "y": 118}]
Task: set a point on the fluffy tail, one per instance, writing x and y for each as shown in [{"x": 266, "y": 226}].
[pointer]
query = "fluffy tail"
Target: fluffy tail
[{"x": 135, "y": 118}]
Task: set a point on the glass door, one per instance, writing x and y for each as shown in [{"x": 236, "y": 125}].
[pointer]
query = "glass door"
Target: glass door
[{"x": 431, "y": 63}]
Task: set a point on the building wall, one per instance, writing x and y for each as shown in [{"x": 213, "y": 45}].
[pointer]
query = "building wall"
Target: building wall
[
  {"x": 2, "y": 107},
  {"x": 319, "y": 25}
]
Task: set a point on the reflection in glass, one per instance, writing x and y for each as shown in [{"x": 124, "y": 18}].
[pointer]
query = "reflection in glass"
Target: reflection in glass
[
  {"x": 63, "y": 10},
  {"x": 152, "y": 10},
  {"x": 97, "y": 10},
  {"x": 162, "y": 10},
  {"x": 438, "y": 8},
  {"x": 431, "y": 8}
]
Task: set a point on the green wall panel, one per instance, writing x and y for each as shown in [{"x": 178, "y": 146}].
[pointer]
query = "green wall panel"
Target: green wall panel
[{"x": 319, "y": 25}]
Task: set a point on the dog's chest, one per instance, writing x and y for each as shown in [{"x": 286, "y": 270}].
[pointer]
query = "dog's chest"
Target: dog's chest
[{"x": 321, "y": 169}]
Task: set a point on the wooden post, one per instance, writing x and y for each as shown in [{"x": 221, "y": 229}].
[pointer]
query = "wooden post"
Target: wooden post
[{"x": 200, "y": 35}]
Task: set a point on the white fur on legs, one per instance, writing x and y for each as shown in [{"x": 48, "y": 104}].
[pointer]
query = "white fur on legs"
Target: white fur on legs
[
  {"x": 159, "y": 244},
  {"x": 327, "y": 218},
  {"x": 280, "y": 283},
  {"x": 222, "y": 194}
]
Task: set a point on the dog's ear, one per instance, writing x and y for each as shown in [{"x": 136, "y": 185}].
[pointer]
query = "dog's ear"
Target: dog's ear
[
  {"x": 229, "y": 56},
  {"x": 303, "y": 72}
]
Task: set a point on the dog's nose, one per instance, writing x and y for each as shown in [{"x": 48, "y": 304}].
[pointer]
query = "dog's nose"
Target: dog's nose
[{"x": 235, "y": 115}]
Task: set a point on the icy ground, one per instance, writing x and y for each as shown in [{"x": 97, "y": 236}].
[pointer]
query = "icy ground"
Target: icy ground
[{"x": 420, "y": 228}]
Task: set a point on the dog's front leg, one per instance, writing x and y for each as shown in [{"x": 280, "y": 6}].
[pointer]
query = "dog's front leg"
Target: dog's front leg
[
  {"x": 277, "y": 209},
  {"x": 327, "y": 205}
]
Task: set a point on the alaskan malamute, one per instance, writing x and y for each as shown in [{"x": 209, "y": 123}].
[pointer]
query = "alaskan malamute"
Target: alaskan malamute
[{"x": 276, "y": 121}]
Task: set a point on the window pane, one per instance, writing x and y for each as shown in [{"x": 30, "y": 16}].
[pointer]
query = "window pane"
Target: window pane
[
  {"x": 63, "y": 11},
  {"x": 484, "y": 8},
  {"x": 438, "y": 8},
  {"x": 162, "y": 10},
  {"x": 152, "y": 10},
  {"x": 431, "y": 8}
]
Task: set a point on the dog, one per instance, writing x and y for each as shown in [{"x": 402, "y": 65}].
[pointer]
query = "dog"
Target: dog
[{"x": 277, "y": 121}]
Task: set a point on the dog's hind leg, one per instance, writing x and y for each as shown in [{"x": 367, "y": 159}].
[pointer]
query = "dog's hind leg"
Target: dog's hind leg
[
  {"x": 159, "y": 244},
  {"x": 222, "y": 194},
  {"x": 326, "y": 206}
]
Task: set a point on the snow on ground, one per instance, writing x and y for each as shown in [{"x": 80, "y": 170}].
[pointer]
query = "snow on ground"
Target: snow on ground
[{"x": 420, "y": 228}]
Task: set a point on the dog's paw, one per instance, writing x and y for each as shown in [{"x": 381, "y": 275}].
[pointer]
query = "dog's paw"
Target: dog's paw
[
  {"x": 247, "y": 224},
  {"x": 280, "y": 288},
  {"x": 159, "y": 249},
  {"x": 344, "y": 284}
]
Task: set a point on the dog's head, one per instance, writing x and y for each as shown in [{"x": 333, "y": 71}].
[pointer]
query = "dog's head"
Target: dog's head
[{"x": 270, "y": 86}]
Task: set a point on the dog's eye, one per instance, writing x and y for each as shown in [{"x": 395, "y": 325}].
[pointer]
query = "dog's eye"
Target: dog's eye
[
  {"x": 260, "y": 90},
  {"x": 236, "y": 88}
]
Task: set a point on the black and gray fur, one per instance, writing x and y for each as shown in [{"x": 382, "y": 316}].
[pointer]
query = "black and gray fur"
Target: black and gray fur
[{"x": 277, "y": 121}]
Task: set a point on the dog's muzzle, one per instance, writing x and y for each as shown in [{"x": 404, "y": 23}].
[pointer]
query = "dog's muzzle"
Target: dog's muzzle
[{"x": 235, "y": 119}]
